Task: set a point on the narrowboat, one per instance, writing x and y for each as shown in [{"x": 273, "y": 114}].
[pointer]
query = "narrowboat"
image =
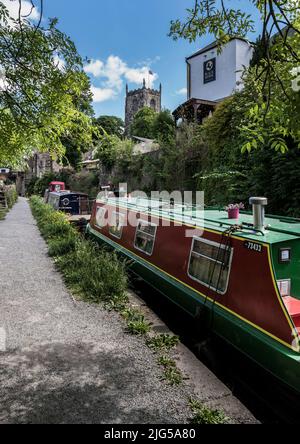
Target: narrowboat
[
  {"x": 240, "y": 278},
  {"x": 75, "y": 205},
  {"x": 54, "y": 187}
]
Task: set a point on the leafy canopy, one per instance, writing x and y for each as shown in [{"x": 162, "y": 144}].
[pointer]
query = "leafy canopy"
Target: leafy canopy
[
  {"x": 42, "y": 86},
  {"x": 271, "y": 102},
  {"x": 112, "y": 125},
  {"x": 151, "y": 125}
]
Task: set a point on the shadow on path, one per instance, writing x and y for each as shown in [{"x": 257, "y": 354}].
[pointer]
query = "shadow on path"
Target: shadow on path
[{"x": 58, "y": 383}]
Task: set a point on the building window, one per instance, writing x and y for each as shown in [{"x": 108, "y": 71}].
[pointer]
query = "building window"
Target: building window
[
  {"x": 153, "y": 104},
  {"x": 145, "y": 237},
  {"x": 117, "y": 224},
  {"x": 210, "y": 264},
  {"x": 100, "y": 217}
]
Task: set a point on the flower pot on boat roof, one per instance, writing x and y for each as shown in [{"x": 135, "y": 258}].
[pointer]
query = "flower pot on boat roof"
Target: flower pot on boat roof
[{"x": 234, "y": 210}]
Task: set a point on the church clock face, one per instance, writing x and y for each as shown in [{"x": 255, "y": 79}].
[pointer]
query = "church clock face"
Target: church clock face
[{"x": 209, "y": 70}]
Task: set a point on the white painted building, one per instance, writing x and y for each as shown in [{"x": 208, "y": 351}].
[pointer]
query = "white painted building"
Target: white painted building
[
  {"x": 212, "y": 76},
  {"x": 215, "y": 76}
]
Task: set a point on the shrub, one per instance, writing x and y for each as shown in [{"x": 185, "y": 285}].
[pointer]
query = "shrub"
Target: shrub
[
  {"x": 11, "y": 195},
  {"x": 204, "y": 415},
  {"x": 95, "y": 274}
]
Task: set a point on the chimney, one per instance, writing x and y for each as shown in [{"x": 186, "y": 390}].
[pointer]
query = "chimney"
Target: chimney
[{"x": 258, "y": 205}]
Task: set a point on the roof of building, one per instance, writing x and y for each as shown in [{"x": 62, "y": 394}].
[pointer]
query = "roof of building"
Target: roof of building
[
  {"x": 212, "y": 46},
  {"x": 192, "y": 102}
]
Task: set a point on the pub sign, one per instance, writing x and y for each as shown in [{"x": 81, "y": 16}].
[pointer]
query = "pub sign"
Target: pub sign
[{"x": 210, "y": 70}]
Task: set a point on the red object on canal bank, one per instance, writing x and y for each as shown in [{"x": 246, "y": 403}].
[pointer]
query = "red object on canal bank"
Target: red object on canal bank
[{"x": 57, "y": 186}]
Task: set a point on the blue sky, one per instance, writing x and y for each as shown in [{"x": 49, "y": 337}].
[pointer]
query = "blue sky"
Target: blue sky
[{"x": 124, "y": 39}]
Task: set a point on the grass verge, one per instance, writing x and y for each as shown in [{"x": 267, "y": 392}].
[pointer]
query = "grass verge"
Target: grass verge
[
  {"x": 97, "y": 276},
  {"x": 89, "y": 272},
  {"x": 11, "y": 198}
]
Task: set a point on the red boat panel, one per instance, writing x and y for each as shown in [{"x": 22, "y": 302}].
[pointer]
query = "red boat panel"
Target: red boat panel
[
  {"x": 293, "y": 306},
  {"x": 252, "y": 292}
]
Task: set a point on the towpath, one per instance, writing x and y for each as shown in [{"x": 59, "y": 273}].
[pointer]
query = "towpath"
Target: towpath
[{"x": 66, "y": 362}]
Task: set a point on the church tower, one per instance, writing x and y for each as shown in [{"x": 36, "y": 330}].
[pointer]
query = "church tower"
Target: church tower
[{"x": 141, "y": 98}]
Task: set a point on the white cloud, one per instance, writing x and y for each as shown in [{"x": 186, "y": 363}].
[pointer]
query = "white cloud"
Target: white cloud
[
  {"x": 26, "y": 9},
  {"x": 137, "y": 76},
  {"x": 113, "y": 72},
  {"x": 94, "y": 68},
  {"x": 102, "y": 94},
  {"x": 182, "y": 92}
]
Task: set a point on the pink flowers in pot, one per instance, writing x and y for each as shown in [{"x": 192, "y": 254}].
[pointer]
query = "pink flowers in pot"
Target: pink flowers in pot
[{"x": 234, "y": 210}]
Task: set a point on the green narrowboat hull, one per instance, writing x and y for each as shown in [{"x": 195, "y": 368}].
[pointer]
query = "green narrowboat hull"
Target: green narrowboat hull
[{"x": 271, "y": 355}]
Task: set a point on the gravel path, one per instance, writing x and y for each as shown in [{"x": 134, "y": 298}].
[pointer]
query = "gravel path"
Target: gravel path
[{"x": 67, "y": 362}]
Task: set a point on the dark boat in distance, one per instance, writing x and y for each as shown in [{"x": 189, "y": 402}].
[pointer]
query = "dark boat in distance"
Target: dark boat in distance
[
  {"x": 76, "y": 205},
  {"x": 240, "y": 278}
]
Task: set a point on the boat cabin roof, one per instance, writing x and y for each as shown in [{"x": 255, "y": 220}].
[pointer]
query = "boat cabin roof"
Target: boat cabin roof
[
  {"x": 279, "y": 228},
  {"x": 67, "y": 193}
]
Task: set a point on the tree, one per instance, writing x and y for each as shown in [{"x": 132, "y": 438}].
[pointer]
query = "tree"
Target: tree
[
  {"x": 112, "y": 125},
  {"x": 142, "y": 125},
  {"x": 163, "y": 127},
  {"x": 272, "y": 112},
  {"x": 279, "y": 18},
  {"x": 109, "y": 149},
  {"x": 41, "y": 89},
  {"x": 151, "y": 125}
]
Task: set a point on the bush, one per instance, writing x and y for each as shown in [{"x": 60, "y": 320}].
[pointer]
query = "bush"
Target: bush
[
  {"x": 89, "y": 271},
  {"x": 11, "y": 195}
]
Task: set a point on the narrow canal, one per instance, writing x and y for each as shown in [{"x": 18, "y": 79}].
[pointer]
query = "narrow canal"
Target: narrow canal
[{"x": 252, "y": 386}]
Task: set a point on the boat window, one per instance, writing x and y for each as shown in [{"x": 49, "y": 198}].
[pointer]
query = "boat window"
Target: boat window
[
  {"x": 210, "y": 264},
  {"x": 116, "y": 225},
  {"x": 100, "y": 217},
  {"x": 145, "y": 236}
]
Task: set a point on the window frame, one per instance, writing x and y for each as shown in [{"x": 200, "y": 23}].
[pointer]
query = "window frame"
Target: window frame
[
  {"x": 154, "y": 236},
  {"x": 110, "y": 226},
  {"x": 215, "y": 244},
  {"x": 105, "y": 212}
]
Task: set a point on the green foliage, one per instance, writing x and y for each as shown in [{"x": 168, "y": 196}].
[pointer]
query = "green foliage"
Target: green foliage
[
  {"x": 85, "y": 182},
  {"x": 94, "y": 274},
  {"x": 163, "y": 127},
  {"x": 62, "y": 245},
  {"x": 11, "y": 195},
  {"x": 208, "y": 17},
  {"x": 136, "y": 323},
  {"x": 40, "y": 102},
  {"x": 171, "y": 373},
  {"x": 11, "y": 198},
  {"x": 111, "y": 149},
  {"x": 142, "y": 124},
  {"x": 271, "y": 97},
  {"x": 227, "y": 175},
  {"x": 112, "y": 125},
  {"x": 163, "y": 341},
  {"x": 151, "y": 125},
  {"x": 204, "y": 415}
]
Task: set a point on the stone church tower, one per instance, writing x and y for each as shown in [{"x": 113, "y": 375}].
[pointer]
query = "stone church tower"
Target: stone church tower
[{"x": 138, "y": 99}]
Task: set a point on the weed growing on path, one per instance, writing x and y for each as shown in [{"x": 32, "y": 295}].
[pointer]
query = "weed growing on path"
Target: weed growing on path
[
  {"x": 163, "y": 341},
  {"x": 204, "y": 415}
]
